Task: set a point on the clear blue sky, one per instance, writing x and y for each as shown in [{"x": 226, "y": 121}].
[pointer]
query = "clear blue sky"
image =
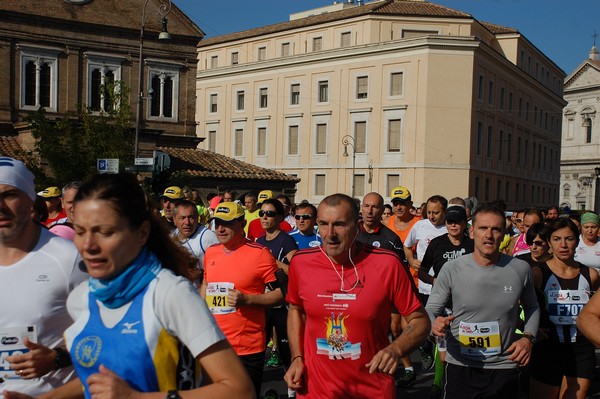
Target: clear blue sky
[{"x": 561, "y": 29}]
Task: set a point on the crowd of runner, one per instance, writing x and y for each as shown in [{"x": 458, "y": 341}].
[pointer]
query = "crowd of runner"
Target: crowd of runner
[{"x": 108, "y": 295}]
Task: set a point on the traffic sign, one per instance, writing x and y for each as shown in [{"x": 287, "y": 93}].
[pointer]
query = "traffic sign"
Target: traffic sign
[
  {"x": 144, "y": 161},
  {"x": 109, "y": 165}
]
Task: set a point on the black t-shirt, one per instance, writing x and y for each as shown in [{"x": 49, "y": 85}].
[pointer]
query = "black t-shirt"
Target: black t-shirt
[
  {"x": 440, "y": 251},
  {"x": 280, "y": 246},
  {"x": 384, "y": 238}
]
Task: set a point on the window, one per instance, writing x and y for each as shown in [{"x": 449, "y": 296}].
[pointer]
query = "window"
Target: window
[
  {"x": 487, "y": 189},
  {"x": 501, "y": 145},
  {"x": 587, "y": 124},
  {"x": 360, "y": 137},
  {"x": 235, "y": 57},
  {"x": 262, "y": 53},
  {"x": 323, "y": 91},
  {"x": 214, "y": 61},
  {"x": 263, "y": 98},
  {"x": 509, "y": 150},
  {"x": 477, "y": 187},
  {"x": 285, "y": 49},
  {"x": 359, "y": 185},
  {"x": 161, "y": 103},
  {"x": 319, "y": 184},
  {"x": 317, "y": 44},
  {"x": 518, "y": 150},
  {"x": 502, "y": 98},
  {"x": 491, "y": 93},
  {"x": 481, "y": 88},
  {"x": 345, "y": 39},
  {"x": 499, "y": 189},
  {"x": 103, "y": 72},
  {"x": 238, "y": 142},
  {"x": 362, "y": 87},
  {"x": 566, "y": 190},
  {"x": 212, "y": 140},
  {"x": 213, "y": 103},
  {"x": 293, "y": 140},
  {"x": 261, "y": 141},
  {"x": 295, "y": 94},
  {"x": 392, "y": 181},
  {"x": 396, "y": 84},
  {"x": 520, "y": 107},
  {"x": 321, "y": 138},
  {"x": 394, "y": 135},
  {"x": 510, "y": 103},
  {"x": 39, "y": 77},
  {"x": 489, "y": 142},
  {"x": 240, "y": 103},
  {"x": 479, "y": 138}
]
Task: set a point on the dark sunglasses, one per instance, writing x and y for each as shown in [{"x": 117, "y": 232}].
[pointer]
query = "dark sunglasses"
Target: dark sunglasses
[
  {"x": 270, "y": 214},
  {"x": 303, "y": 217},
  {"x": 538, "y": 243}
]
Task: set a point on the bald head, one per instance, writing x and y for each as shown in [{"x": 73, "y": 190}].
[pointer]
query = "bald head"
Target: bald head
[{"x": 372, "y": 210}]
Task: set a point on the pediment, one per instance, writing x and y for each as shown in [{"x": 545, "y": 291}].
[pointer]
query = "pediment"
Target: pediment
[{"x": 588, "y": 75}]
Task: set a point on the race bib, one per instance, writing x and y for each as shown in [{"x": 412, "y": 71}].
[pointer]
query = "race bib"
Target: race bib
[
  {"x": 565, "y": 305},
  {"x": 479, "y": 339},
  {"x": 12, "y": 343},
  {"x": 216, "y": 298}
]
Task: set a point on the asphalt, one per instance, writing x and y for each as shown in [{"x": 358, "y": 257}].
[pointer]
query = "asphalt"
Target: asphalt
[{"x": 273, "y": 379}]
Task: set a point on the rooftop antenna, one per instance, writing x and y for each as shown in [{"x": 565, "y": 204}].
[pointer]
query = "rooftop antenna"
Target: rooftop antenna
[{"x": 595, "y": 35}]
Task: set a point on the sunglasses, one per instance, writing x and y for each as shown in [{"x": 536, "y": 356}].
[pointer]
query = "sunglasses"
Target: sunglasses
[
  {"x": 519, "y": 220},
  {"x": 303, "y": 217},
  {"x": 270, "y": 214},
  {"x": 538, "y": 243}
]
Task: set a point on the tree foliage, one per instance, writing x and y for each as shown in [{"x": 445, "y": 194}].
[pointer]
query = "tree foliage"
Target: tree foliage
[{"x": 72, "y": 144}]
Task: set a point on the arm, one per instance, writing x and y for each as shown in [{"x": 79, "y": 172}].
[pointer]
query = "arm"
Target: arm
[
  {"x": 37, "y": 362},
  {"x": 414, "y": 334},
  {"x": 268, "y": 299},
  {"x": 295, "y": 327},
  {"x": 521, "y": 348},
  {"x": 588, "y": 321},
  {"x": 426, "y": 265},
  {"x": 414, "y": 263},
  {"x": 71, "y": 390}
]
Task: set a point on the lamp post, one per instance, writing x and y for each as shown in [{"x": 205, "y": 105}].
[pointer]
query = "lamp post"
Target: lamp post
[
  {"x": 348, "y": 140},
  {"x": 597, "y": 195},
  {"x": 162, "y": 10}
]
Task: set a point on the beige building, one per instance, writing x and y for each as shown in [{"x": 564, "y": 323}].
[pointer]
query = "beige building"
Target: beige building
[
  {"x": 431, "y": 98},
  {"x": 580, "y": 154}
]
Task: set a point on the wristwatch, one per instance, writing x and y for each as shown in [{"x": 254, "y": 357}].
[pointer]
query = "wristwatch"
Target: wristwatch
[
  {"x": 62, "y": 359},
  {"x": 530, "y": 337},
  {"x": 173, "y": 394}
]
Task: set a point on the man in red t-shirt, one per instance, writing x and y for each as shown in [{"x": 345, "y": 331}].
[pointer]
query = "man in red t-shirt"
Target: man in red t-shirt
[
  {"x": 236, "y": 273},
  {"x": 340, "y": 296}
]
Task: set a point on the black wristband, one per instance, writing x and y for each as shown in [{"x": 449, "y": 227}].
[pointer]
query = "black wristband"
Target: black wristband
[
  {"x": 173, "y": 394},
  {"x": 62, "y": 359}
]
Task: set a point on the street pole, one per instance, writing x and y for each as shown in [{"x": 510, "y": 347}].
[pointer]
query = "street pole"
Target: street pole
[
  {"x": 348, "y": 140},
  {"x": 163, "y": 10}
]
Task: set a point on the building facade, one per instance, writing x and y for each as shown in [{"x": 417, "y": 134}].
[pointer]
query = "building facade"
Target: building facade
[
  {"x": 59, "y": 54},
  {"x": 430, "y": 97},
  {"x": 580, "y": 155}
]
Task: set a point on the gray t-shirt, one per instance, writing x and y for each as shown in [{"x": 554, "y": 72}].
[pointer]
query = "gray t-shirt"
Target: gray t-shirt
[{"x": 485, "y": 303}]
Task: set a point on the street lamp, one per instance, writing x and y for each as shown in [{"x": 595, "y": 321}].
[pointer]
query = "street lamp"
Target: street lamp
[
  {"x": 597, "y": 199},
  {"x": 348, "y": 140},
  {"x": 162, "y": 10}
]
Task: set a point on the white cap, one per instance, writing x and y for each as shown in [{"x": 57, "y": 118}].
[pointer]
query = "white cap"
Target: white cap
[{"x": 14, "y": 173}]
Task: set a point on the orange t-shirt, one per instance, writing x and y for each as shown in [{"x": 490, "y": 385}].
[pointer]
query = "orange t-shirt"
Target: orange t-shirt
[
  {"x": 248, "y": 269},
  {"x": 403, "y": 234}
]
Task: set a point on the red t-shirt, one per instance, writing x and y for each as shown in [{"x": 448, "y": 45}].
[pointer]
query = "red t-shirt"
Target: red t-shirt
[
  {"x": 247, "y": 269},
  {"x": 62, "y": 214},
  {"x": 255, "y": 230},
  {"x": 345, "y": 329}
]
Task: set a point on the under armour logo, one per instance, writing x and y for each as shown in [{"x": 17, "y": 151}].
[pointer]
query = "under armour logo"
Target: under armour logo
[{"x": 508, "y": 288}]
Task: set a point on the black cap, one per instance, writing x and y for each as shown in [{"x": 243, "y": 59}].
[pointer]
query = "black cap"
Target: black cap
[{"x": 456, "y": 214}]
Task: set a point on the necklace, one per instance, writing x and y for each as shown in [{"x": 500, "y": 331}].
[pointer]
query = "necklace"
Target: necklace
[{"x": 341, "y": 276}]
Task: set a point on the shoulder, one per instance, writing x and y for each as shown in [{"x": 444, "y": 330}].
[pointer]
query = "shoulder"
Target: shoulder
[
  {"x": 381, "y": 254},
  {"x": 306, "y": 254}
]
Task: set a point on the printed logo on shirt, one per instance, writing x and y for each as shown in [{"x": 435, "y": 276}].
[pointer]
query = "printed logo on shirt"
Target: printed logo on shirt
[
  {"x": 43, "y": 278},
  {"x": 454, "y": 254},
  {"x": 88, "y": 350},
  {"x": 376, "y": 244},
  {"x": 508, "y": 289},
  {"x": 336, "y": 344},
  {"x": 129, "y": 328}
]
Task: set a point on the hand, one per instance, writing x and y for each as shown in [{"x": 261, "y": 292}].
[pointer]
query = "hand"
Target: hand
[
  {"x": 295, "y": 374},
  {"x": 107, "y": 385},
  {"x": 37, "y": 362},
  {"x": 415, "y": 264},
  {"x": 236, "y": 298},
  {"x": 440, "y": 325},
  {"x": 384, "y": 361},
  {"x": 521, "y": 351}
]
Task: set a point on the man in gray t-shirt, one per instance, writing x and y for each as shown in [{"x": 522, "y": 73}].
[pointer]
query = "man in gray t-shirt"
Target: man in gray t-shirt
[{"x": 486, "y": 288}]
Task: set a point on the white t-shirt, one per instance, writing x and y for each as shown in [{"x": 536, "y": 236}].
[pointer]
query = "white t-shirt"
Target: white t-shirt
[
  {"x": 198, "y": 242},
  {"x": 421, "y": 234},
  {"x": 33, "y": 292},
  {"x": 177, "y": 304},
  {"x": 588, "y": 255}
]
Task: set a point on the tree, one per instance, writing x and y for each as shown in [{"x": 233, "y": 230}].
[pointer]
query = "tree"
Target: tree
[{"x": 72, "y": 144}]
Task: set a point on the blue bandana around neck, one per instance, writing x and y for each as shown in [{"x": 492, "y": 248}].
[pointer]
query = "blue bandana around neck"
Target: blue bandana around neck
[{"x": 122, "y": 289}]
